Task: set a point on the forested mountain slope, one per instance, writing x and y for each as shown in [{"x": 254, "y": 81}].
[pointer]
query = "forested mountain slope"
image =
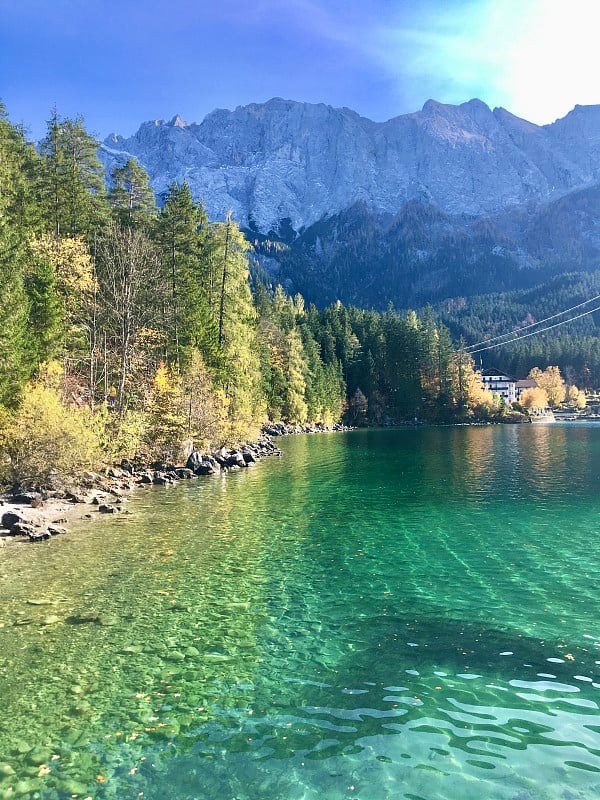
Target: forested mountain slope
[{"x": 447, "y": 201}]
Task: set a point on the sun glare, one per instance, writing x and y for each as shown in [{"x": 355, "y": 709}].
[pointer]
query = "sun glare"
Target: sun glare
[{"x": 555, "y": 60}]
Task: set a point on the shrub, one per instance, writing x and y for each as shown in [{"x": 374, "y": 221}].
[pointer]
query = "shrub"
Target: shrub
[{"x": 45, "y": 436}]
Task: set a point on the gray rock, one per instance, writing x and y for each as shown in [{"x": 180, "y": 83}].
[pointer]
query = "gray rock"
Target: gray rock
[
  {"x": 10, "y": 518},
  {"x": 74, "y": 497},
  {"x": 28, "y": 498},
  {"x": 39, "y": 536},
  {"x": 204, "y": 468},
  {"x": 23, "y": 529},
  {"x": 236, "y": 459},
  {"x": 56, "y": 530},
  {"x": 194, "y": 460}
]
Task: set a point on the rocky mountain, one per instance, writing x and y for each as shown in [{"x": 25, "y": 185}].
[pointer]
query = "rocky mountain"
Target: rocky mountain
[{"x": 434, "y": 203}]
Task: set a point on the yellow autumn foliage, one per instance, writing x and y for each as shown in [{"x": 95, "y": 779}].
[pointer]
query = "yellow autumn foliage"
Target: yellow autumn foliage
[
  {"x": 577, "y": 397},
  {"x": 46, "y": 437},
  {"x": 551, "y": 381},
  {"x": 71, "y": 260},
  {"x": 534, "y": 398}
]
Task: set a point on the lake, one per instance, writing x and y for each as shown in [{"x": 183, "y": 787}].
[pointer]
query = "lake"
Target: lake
[{"x": 374, "y": 615}]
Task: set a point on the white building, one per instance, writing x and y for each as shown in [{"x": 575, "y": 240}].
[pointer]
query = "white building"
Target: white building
[{"x": 499, "y": 384}]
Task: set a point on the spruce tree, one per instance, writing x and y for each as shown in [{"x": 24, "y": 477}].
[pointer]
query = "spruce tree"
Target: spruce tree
[
  {"x": 180, "y": 236},
  {"x": 72, "y": 179},
  {"x": 19, "y": 221},
  {"x": 131, "y": 196}
]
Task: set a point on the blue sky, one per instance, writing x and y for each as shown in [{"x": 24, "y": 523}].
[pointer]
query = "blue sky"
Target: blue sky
[{"x": 119, "y": 63}]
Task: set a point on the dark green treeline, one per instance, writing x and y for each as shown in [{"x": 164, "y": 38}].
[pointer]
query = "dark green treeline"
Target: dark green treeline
[{"x": 145, "y": 320}]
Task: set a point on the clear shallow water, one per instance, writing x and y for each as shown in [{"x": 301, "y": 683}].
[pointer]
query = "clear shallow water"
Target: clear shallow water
[{"x": 383, "y": 614}]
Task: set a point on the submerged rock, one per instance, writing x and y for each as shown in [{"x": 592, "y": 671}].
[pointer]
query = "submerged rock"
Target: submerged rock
[{"x": 92, "y": 618}]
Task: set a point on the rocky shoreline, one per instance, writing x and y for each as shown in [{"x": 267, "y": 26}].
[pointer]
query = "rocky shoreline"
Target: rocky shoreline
[
  {"x": 37, "y": 515},
  {"x": 283, "y": 429},
  {"x": 29, "y": 515}
]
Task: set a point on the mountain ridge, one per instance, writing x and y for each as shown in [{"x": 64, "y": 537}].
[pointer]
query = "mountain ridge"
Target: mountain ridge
[
  {"x": 448, "y": 201},
  {"x": 286, "y": 159}
]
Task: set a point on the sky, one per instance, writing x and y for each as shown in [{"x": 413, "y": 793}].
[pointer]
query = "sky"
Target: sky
[{"x": 119, "y": 63}]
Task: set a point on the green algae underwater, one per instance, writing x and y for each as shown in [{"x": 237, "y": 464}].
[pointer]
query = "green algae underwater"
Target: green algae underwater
[{"x": 375, "y": 615}]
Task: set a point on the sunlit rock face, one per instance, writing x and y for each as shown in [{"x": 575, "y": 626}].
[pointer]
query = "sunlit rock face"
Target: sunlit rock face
[{"x": 298, "y": 161}]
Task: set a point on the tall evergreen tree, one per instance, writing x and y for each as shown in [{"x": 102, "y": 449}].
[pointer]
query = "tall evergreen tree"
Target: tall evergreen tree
[
  {"x": 180, "y": 235},
  {"x": 46, "y": 312},
  {"x": 72, "y": 179},
  {"x": 19, "y": 220},
  {"x": 131, "y": 196}
]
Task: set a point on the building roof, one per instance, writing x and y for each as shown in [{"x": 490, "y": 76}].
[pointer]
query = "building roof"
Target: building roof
[
  {"x": 495, "y": 373},
  {"x": 526, "y": 383}
]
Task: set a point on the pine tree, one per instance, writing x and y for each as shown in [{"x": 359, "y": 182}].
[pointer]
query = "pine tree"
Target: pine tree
[
  {"x": 131, "y": 196},
  {"x": 19, "y": 220},
  {"x": 71, "y": 179},
  {"x": 180, "y": 236}
]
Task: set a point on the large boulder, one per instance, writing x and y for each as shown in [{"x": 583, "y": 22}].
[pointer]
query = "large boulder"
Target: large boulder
[
  {"x": 236, "y": 459},
  {"x": 194, "y": 460},
  {"x": 22, "y": 529},
  {"x": 11, "y": 518},
  {"x": 204, "y": 468},
  {"x": 27, "y": 498}
]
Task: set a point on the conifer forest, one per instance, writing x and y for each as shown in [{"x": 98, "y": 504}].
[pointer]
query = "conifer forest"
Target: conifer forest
[{"x": 136, "y": 331}]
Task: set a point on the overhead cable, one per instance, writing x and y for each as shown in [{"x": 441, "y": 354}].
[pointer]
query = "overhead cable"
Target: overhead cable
[
  {"x": 533, "y": 333},
  {"x": 533, "y": 324}
]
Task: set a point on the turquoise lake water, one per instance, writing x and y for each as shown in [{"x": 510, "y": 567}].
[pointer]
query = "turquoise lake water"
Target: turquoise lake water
[{"x": 372, "y": 616}]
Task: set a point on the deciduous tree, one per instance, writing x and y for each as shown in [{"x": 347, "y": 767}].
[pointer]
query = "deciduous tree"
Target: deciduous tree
[{"x": 550, "y": 380}]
